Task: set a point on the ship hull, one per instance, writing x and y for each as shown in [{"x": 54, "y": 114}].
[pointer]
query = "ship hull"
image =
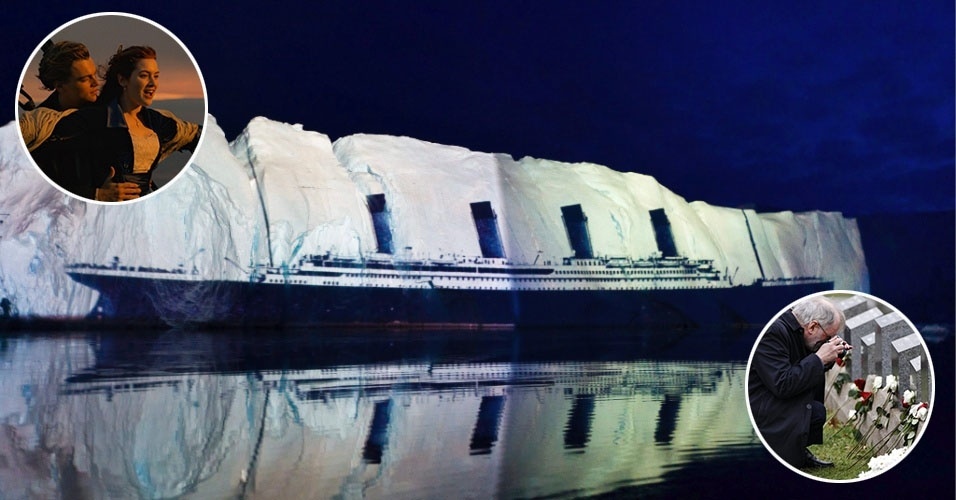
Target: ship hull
[{"x": 150, "y": 300}]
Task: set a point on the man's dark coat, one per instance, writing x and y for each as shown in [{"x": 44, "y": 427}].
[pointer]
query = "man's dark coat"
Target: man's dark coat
[{"x": 785, "y": 378}]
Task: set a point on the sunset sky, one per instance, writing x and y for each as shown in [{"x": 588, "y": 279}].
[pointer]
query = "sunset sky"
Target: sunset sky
[{"x": 104, "y": 34}]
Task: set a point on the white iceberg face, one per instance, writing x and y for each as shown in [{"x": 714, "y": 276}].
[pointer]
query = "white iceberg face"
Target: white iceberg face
[{"x": 278, "y": 192}]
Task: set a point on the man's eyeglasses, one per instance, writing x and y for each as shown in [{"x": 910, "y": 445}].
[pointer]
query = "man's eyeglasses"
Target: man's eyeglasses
[{"x": 825, "y": 334}]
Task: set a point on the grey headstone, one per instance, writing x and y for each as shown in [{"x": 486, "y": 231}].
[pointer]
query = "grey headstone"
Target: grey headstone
[
  {"x": 859, "y": 326},
  {"x": 924, "y": 390},
  {"x": 907, "y": 354},
  {"x": 892, "y": 327},
  {"x": 870, "y": 360},
  {"x": 852, "y": 306}
]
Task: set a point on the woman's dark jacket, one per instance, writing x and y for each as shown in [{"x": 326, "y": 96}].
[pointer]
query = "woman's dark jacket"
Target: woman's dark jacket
[
  {"x": 785, "y": 377},
  {"x": 86, "y": 143}
]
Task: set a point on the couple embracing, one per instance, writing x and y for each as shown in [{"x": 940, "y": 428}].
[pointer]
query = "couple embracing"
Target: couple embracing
[{"x": 100, "y": 138}]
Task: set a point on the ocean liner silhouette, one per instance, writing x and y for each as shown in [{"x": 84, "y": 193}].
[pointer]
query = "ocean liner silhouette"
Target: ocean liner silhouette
[{"x": 487, "y": 291}]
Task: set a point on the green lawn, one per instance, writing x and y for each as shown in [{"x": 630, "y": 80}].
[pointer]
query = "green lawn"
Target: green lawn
[{"x": 837, "y": 447}]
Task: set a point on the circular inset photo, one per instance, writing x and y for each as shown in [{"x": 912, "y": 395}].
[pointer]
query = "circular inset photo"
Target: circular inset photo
[
  {"x": 840, "y": 386},
  {"x": 110, "y": 107}
]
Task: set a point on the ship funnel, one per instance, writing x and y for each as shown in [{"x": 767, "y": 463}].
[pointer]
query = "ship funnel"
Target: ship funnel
[
  {"x": 383, "y": 232},
  {"x": 486, "y": 222},
  {"x": 662, "y": 231},
  {"x": 576, "y": 224}
]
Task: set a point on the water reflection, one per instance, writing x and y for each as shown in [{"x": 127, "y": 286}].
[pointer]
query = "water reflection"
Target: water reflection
[
  {"x": 486, "y": 427},
  {"x": 667, "y": 419},
  {"x": 377, "y": 432},
  {"x": 370, "y": 414},
  {"x": 578, "y": 430}
]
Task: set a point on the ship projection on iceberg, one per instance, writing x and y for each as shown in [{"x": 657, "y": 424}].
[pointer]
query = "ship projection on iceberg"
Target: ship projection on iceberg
[
  {"x": 284, "y": 227},
  {"x": 389, "y": 287}
]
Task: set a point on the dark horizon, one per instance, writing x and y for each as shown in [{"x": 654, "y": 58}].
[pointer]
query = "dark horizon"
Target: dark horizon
[{"x": 815, "y": 106}]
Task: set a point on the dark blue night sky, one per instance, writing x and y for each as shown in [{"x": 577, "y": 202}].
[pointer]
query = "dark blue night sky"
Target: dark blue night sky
[
  {"x": 798, "y": 105},
  {"x": 844, "y": 106}
]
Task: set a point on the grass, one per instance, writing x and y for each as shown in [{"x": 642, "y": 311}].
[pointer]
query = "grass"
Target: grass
[{"x": 841, "y": 448}]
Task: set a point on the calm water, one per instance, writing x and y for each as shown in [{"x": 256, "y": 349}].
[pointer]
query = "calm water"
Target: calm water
[{"x": 374, "y": 414}]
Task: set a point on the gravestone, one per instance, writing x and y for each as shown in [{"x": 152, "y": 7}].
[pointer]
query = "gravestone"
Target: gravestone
[
  {"x": 907, "y": 360},
  {"x": 892, "y": 327},
  {"x": 864, "y": 333},
  {"x": 870, "y": 358},
  {"x": 853, "y": 306},
  {"x": 924, "y": 391}
]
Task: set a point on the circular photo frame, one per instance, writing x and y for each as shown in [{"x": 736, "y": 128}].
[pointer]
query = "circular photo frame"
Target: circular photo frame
[
  {"x": 840, "y": 386},
  {"x": 111, "y": 108}
]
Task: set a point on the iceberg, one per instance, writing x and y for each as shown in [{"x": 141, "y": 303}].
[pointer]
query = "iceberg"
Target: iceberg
[{"x": 278, "y": 193}]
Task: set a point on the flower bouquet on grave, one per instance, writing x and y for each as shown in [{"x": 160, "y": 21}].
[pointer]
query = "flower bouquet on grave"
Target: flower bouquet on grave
[
  {"x": 882, "y": 463},
  {"x": 905, "y": 434},
  {"x": 880, "y": 418},
  {"x": 863, "y": 402},
  {"x": 906, "y": 431}
]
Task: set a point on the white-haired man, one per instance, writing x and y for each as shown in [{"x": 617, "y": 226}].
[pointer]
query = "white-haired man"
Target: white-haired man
[{"x": 785, "y": 383}]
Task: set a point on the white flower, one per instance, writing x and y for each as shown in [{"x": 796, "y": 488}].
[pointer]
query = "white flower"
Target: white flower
[
  {"x": 877, "y": 382},
  {"x": 883, "y": 462},
  {"x": 910, "y": 436},
  {"x": 851, "y": 415},
  {"x": 908, "y": 396},
  {"x": 892, "y": 383},
  {"x": 918, "y": 411}
]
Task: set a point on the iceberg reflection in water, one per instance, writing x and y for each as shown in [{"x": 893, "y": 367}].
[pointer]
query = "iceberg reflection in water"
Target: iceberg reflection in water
[{"x": 357, "y": 414}]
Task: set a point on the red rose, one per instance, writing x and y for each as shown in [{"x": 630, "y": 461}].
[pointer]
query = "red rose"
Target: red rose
[
  {"x": 860, "y": 384},
  {"x": 865, "y": 396},
  {"x": 839, "y": 361}
]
